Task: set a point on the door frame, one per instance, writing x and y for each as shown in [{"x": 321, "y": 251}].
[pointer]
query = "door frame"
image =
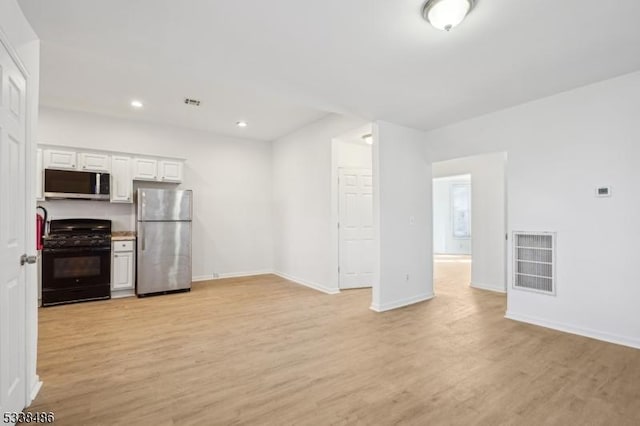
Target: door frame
[
  {"x": 506, "y": 251},
  {"x": 33, "y": 383}
]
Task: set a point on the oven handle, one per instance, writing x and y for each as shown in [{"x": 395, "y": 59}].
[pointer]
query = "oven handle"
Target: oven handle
[{"x": 87, "y": 250}]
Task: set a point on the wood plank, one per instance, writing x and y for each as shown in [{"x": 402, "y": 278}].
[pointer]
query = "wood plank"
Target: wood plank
[{"x": 262, "y": 350}]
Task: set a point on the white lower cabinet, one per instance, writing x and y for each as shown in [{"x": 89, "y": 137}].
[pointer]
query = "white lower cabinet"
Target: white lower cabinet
[{"x": 123, "y": 269}]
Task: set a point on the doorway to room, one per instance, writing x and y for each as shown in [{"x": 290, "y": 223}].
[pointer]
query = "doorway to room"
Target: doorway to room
[
  {"x": 353, "y": 208},
  {"x": 452, "y": 230},
  {"x": 470, "y": 223}
]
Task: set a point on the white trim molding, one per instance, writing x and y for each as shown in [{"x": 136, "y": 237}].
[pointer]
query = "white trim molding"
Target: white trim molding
[
  {"x": 309, "y": 284},
  {"x": 37, "y": 385},
  {"x": 488, "y": 288},
  {"x": 211, "y": 277},
  {"x": 200, "y": 278},
  {"x": 244, "y": 274},
  {"x": 568, "y": 328},
  {"x": 402, "y": 303}
]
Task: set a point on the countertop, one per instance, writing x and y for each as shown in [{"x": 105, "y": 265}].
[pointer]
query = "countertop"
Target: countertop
[{"x": 123, "y": 236}]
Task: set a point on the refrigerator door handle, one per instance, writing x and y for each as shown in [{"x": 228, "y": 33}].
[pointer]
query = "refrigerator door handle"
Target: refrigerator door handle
[{"x": 142, "y": 236}]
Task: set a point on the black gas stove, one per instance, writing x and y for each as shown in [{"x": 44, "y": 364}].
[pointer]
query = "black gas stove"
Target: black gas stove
[
  {"x": 80, "y": 240},
  {"x": 76, "y": 261}
]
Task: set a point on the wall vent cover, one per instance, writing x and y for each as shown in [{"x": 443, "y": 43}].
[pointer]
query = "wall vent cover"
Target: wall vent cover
[
  {"x": 190, "y": 101},
  {"x": 534, "y": 266}
]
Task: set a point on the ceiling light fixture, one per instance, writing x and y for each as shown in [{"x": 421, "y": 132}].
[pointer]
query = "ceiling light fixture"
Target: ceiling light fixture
[
  {"x": 368, "y": 138},
  {"x": 446, "y": 14},
  {"x": 136, "y": 104},
  {"x": 241, "y": 124}
]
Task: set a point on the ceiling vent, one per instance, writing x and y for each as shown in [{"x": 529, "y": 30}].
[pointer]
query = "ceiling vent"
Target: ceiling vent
[
  {"x": 193, "y": 102},
  {"x": 534, "y": 266}
]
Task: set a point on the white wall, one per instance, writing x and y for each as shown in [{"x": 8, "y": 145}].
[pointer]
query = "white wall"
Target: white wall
[
  {"x": 303, "y": 225},
  {"x": 352, "y": 151},
  {"x": 17, "y": 32},
  {"x": 444, "y": 241},
  {"x": 403, "y": 217},
  {"x": 488, "y": 215},
  {"x": 560, "y": 149},
  {"x": 230, "y": 179}
]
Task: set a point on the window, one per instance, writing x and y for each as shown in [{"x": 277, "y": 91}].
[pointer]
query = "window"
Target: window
[{"x": 461, "y": 210}]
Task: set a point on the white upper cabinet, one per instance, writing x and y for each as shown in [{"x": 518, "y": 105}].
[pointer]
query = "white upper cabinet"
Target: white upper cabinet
[
  {"x": 170, "y": 171},
  {"x": 124, "y": 168},
  {"x": 39, "y": 176},
  {"x": 121, "y": 181},
  {"x": 91, "y": 162},
  {"x": 145, "y": 169},
  {"x": 59, "y": 159}
]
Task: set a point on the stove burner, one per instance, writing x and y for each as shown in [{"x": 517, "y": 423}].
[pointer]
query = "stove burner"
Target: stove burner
[{"x": 78, "y": 233}]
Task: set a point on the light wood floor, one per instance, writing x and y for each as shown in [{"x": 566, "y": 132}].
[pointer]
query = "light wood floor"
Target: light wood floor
[{"x": 265, "y": 351}]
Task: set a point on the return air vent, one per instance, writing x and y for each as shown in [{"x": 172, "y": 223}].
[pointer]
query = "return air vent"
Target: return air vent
[
  {"x": 534, "y": 261},
  {"x": 193, "y": 102}
]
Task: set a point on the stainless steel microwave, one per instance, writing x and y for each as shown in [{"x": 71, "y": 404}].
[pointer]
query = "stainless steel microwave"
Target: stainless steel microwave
[{"x": 76, "y": 185}]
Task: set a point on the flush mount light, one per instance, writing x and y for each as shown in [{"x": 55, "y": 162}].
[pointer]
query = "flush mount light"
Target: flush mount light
[
  {"x": 446, "y": 14},
  {"x": 241, "y": 124},
  {"x": 368, "y": 138},
  {"x": 136, "y": 104}
]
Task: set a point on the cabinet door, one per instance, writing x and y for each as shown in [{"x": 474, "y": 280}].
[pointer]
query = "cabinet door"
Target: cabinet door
[
  {"x": 58, "y": 159},
  {"x": 145, "y": 169},
  {"x": 90, "y": 162},
  {"x": 171, "y": 171},
  {"x": 121, "y": 181},
  {"x": 39, "y": 176},
  {"x": 122, "y": 276}
]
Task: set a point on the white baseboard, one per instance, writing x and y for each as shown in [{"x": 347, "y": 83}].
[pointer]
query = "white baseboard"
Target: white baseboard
[
  {"x": 122, "y": 293},
  {"x": 202, "y": 278},
  {"x": 402, "y": 303},
  {"x": 244, "y": 274},
  {"x": 35, "y": 390},
  {"x": 488, "y": 288},
  {"x": 306, "y": 283},
  {"x": 567, "y": 328},
  {"x": 211, "y": 277}
]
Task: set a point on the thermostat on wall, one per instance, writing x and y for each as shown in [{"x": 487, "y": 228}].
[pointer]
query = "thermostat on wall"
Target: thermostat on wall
[{"x": 603, "y": 191}]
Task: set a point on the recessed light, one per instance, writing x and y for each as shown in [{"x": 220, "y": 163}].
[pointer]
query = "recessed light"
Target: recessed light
[
  {"x": 136, "y": 104},
  {"x": 368, "y": 138},
  {"x": 241, "y": 124}
]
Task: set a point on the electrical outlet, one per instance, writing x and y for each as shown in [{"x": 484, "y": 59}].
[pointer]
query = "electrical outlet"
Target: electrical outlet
[{"x": 216, "y": 275}]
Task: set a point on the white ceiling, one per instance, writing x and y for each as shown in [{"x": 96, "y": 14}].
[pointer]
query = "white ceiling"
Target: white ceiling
[{"x": 283, "y": 63}]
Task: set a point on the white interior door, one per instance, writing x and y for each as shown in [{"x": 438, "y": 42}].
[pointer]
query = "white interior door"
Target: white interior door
[
  {"x": 356, "y": 248},
  {"x": 12, "y": 235}
]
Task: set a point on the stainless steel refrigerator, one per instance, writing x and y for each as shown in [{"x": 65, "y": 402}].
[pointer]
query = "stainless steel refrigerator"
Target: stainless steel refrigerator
[{"x": 163, "y": 225}]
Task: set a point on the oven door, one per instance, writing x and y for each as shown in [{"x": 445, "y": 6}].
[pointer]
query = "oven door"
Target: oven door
[{"x": 76, "y": 267}]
